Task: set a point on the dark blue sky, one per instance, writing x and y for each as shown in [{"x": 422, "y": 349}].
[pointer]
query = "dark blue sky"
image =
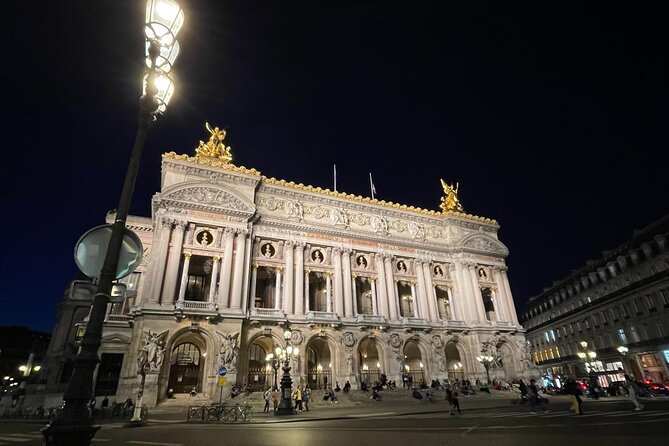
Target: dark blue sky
[{"x": 553, "y": 118}]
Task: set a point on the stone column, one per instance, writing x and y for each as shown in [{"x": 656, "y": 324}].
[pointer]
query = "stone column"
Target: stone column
[
  {"x": 426, "y": 309},
  {"x": 307, "y": 307},
  {"x": 461, "y": 281},
  {"x": 430, "y": 293},
  {"x": 277, "y": 291},
  {"x": 457, "y": 308},
  {"x": 391, "y": 288},
  {"x": 246, "y": 281},
  {"x": 478, "y": 297},
  {"x": 375, "y": 308},
  {"x": 238, "y": 277},
  {"x": 226, "y": 269},
  {"x": 159, "y": 258},
  {"x": 289, "y": 278},
  {"x": 169, "y": 291},
  {"x": 346, "y": 273},
  {"x": 328, "y": 292},
  {"x": 299, "y": 279},
  {"x": 416, "y": 310},
  {"x": 254, "y": 279},
  {"x": 214, "y": 277},
  {"x": 190, "y": 235},
  {"x": 184, "y": 280},
  {"x": 508, "y": 296},
  {"x": 355, "y": 296},
  {"x": 382, "y": 289},
  {"x": 338, "y": 285}
]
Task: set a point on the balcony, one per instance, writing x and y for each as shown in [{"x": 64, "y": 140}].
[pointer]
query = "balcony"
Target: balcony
[
  {"x": 371, "y": 319},
  {"x": 267, "y": 314},
  {"x": 414, "y": 322},
  {"x": 322, "y": 317},
  {"x": 196, "y": 307}
]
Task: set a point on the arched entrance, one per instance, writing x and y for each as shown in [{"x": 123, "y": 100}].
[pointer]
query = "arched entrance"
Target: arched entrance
[
  {"x": 413, "y": 362},
  {"x": 454, "y": 363},
  {"x": 319, "y": 364},
  {"x": 261, "y": 373},
  {"x": 370, "y": 362},
  {"x": 185, "y": 368}
]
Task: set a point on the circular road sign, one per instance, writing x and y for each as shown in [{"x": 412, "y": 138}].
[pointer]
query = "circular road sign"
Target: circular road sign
[
  {"x": 222, "y": 371},
  {"x": 91, "y": 249}
]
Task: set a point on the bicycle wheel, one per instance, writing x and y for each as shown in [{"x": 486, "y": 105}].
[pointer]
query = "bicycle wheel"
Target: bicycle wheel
[{"x": 246, "y": 414}]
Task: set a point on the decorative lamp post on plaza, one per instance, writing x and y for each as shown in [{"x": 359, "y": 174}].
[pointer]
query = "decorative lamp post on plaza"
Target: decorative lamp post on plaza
[
  {"x": 73, "y": 425},
  {"x": 487, "y": 362},
  {"x": 285, "y": 355},
  {"x": 274, "y": 361}
]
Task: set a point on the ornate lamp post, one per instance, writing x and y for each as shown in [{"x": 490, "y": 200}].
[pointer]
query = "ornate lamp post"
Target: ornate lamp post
[
  {"x": 487, "y": 362},
  {"x": 285, "y": 355},
  {"x": 74, "y": 424},
  {"x": 274, "y": 361}
]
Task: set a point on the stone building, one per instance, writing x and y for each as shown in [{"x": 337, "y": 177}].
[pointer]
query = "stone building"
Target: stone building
[
  {"x": 233, "y": 258},
  {"x": 617, "y": 305}
]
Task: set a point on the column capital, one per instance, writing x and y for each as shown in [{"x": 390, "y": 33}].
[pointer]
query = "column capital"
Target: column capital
[
  {"x": 289, "y": 243},
  {"x": 181, "y": 224},
  {"x": 187, "y": 255},
  {"x": 336, "y": 250},
  {"x": 217, "y": 259},
  {"x": 229, "y": 232}
]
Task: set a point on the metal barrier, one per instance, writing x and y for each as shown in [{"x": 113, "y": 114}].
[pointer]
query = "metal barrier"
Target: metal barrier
[{"x": 216, "y": 413}]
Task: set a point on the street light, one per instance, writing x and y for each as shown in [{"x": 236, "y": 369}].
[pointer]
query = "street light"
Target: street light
[
  {"x": 73, "y": 425},
  {"x": 274, "y": 362},
  {"x": 623, "y": 353},
  {"x": 487, "y": 362},
  {"x": 285, "y": 355}
]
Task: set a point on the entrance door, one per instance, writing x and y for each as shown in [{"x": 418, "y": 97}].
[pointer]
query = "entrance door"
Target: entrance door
[
  {"x": 185, "y": 369},
  {"x": 109, "y": 372}
]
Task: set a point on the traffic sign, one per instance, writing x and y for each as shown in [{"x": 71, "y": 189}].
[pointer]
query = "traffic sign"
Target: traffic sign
[
  {"x": 91, "y": 250},
  {"x": 222, "y": 380},
  {"x": 222, "y": 371}
]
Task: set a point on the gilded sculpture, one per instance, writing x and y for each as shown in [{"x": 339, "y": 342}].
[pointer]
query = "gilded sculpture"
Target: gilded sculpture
[
  {"x": 214, "y": 148},
  {"x": 450, "y": 201}
]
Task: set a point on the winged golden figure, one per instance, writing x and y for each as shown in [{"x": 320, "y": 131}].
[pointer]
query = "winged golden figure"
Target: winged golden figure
[
  {"x": 450, "y": 202},
  {"x": 214, "y": 148}
]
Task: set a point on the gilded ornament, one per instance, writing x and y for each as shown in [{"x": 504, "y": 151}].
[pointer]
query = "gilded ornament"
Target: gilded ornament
[
  {"x": 214, "y": 148},
  {"x": 450, "y": 201}
]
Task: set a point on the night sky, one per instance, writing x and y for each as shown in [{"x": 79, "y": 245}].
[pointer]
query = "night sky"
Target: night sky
[{"x": 552, "y": 117}]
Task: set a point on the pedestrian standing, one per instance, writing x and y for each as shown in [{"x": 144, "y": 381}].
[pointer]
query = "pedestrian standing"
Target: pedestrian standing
[
  {"x": 453, "y": 401},
  {"x": 267, "y": 396},
  {"x": 536, "y": 401}
]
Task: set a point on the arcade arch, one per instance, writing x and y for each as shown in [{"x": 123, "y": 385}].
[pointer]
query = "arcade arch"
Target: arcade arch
[
  {"x": 319, "y": 364},
  {"x": 370, "y": 361},
  {"x": 454, "y": 365}
]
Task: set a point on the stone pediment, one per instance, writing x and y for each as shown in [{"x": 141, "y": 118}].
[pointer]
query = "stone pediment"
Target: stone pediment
[
  {"x": 116, "y": 338},
  {"x": 207, "y": 197},
  {"x": 484, "y": 244}
]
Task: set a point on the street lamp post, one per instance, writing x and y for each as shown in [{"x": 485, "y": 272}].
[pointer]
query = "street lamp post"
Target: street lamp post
[
  {"x": 274, "y": 359},
  {"x": 73, "y": 425},
  {"x": 487, "y": 361},
  {"x": 286, "y": 403}
]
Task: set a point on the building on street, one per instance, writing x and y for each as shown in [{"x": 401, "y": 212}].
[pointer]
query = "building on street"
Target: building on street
[{"x": 233, "y": 259}]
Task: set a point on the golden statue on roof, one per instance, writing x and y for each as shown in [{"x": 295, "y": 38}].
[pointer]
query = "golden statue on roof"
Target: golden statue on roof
[
  {"x": 450, "y": 201},
  {"x": 214, "y": 148}
]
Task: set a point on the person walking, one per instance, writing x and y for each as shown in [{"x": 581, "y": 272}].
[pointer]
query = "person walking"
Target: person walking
[
  {"x": 632, "y": 390},
  {"x": 306, "y": 396},
  {"x": 536, "y": 401},
  {"x": 297, "y": 396},
  {"x": 452, "y": 397},
  {"x": 275, "y": 399},
  {"x": 267, "y": 396},
  {"x": 574, "y": 391}
]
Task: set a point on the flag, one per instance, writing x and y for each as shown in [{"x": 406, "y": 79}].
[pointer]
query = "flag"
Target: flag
[
  {"x": 335, "y": 177},
  {"x": 371, "y": 185}
]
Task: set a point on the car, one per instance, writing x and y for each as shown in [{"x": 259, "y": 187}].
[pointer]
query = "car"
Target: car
[
  {"x": 656, "y": 388},
  {"x": 617, "y": 388}
]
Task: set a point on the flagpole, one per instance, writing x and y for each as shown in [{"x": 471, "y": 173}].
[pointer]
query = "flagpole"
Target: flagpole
[
  {"x": 335, "y": 177},
  {"x": 371, "y": 184}
]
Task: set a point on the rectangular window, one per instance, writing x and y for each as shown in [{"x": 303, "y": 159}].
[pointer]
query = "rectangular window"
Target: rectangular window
[
  {"x": 614, "y": 314},
  {"x": 621, "y": 334},
  {"x": 546, "y": 336},
  {"x": 664, "y": 294},
  {"x": 587, "y": 324},
  {"x": 650, "y": 302},
  {"x": 660, "y": 329},
  {"x": 634, "y": 336},
  {"x": 604, "y": 320},
  {"x": 571, "y": 328},
  {"x": 636, "y": 305},
  {"x": 623, "y": 311}
]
